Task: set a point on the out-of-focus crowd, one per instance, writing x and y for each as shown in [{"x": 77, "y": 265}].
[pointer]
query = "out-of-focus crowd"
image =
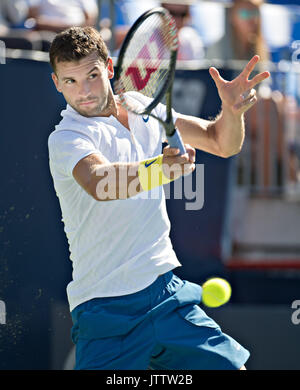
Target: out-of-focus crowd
[
  {"x": 32, "y": 24},
  {"x": 213, "y": 30}
]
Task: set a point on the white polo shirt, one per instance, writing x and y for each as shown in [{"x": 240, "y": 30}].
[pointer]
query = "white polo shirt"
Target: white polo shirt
[{"x": 117, "y": 247}]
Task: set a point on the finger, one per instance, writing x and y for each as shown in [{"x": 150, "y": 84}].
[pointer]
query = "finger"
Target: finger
[
  {"x": 216, "y": 76},
  {"x": 192, "y": 157},
  {"x": 191, "y": 153},
  {"x": 248, "y": 94},
  {"x": 179, "y": 160},
  {"x": 246, "y": 103},
  {"x": 250, "y": 66},
  {"x": 259, "y": 78},
  {"x": 168, "y": 151}
]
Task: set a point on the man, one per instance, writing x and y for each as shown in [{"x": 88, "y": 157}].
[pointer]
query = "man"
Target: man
[{"x": 129, "y": 310}]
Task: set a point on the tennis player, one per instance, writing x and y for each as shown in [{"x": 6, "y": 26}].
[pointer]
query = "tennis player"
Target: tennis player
[{"x": 129, "y": 310}]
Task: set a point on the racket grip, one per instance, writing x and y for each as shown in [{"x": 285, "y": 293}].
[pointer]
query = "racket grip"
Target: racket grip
[{"x": 175, "y": 141}]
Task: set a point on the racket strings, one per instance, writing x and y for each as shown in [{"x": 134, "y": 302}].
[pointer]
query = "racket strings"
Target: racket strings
[
  {"x": 147, "y": 58},
  {"x": 162, "y": 71}
]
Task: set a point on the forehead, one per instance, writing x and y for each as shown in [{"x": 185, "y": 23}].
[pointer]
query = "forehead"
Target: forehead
[
  {"x": 246, "y": 4},
  {"x": 81, "y": 67}
]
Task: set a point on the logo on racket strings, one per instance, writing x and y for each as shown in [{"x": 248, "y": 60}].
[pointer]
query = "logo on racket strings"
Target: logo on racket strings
[{"x": 148, "y": 59}]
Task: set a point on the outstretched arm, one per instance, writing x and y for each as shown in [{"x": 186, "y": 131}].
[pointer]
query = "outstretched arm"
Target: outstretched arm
[{"x": 225, "y": 135}]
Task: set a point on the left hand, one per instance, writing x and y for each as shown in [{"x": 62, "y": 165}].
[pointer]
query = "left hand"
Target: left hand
[{"x": 239, "y": 94}]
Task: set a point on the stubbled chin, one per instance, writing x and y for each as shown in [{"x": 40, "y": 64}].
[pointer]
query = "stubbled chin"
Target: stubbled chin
[
  {"x": 89, "y": 112},
  {"x": 95, "y": 110}
]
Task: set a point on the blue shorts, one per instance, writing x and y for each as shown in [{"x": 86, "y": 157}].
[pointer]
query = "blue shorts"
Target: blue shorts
[{"x": 160, "y": 327}]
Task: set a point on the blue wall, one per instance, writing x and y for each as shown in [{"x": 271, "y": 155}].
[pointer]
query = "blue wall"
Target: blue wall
[{"x": 33, "y": 252}]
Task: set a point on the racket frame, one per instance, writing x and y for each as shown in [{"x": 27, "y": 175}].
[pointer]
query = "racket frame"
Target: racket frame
[{"x": 172, "y": 134}]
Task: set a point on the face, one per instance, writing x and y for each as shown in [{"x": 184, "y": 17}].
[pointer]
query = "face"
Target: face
[
  {"x": 179, "y": 12},
  {"x": 245, "y": 19},
  {"x": 85, "y": 85}
]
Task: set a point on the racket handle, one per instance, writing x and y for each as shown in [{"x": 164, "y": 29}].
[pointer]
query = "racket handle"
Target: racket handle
[{"x": 175, "y": 141}]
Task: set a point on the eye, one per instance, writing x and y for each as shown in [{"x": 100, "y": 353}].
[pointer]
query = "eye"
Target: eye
[
  {"x": 70, "y": 81},
  {"x": 93, "y": 76}
]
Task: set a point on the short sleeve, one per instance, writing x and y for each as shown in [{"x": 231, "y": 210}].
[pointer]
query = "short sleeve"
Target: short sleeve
[{"x": 67, "y": 148}]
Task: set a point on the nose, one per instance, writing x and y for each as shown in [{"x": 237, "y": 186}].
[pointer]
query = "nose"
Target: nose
[{"x": 84, "y": 89}]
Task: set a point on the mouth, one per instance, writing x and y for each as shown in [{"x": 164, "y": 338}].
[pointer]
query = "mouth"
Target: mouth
[{"x": 87, "y": 103}]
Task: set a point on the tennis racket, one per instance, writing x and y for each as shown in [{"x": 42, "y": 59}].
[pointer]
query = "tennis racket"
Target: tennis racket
[{"x": 146, "y": 64}]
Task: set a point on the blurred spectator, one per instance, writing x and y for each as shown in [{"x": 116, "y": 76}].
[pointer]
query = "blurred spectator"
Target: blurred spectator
[
  {"x": 32, "y": 24},
  {"x": 119, "y": 36},
  {"x": 12, "y": 12},
  {"x": 12, "y": 32},
  {"x": 113, "y": 37},
  {"x": 105, "y": 30},
  {"x": 278, "y": 21},
  {"x": 243, "y": 36},
  {"x": 266, "y": 120},
  {"x": 190, "y": 42},
  {"x": 202, "y": 14},
  {"x": 57, "y": 15}
]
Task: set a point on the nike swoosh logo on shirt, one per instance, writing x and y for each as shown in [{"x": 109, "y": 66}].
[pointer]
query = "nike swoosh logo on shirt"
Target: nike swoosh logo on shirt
[
  {"x": 145, "y": 119},
  {"x": 148, "y": 164}
]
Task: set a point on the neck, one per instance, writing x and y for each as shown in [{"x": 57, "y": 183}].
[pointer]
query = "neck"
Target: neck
[
  {"x": 120, "y": 113},
  {"x": 112, "y": 107}
]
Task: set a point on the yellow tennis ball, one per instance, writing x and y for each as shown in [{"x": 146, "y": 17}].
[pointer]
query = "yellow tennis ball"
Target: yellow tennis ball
[{"x": 216, "y": 292}]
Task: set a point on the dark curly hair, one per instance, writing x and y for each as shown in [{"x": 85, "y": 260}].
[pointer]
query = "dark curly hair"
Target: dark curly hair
[{"x": 76, "y": 43}]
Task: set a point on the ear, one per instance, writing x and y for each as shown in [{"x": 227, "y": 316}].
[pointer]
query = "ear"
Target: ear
[
  {"x": 110, "y": 68},
  {"x": 56, "y": 82}
]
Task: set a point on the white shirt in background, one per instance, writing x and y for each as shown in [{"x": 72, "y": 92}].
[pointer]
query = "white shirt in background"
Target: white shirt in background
[{"x": 69, "y": 12}]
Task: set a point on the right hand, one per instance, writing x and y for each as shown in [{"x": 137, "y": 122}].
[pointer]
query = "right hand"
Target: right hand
[{"x": 176, "y": 165}]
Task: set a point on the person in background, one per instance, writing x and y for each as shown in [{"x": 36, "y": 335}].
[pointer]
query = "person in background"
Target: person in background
[
  {"x": 190, "y": 43},
  {"x": 57, "y": 15},
  {"x": 243, "y": 33},
  {"x": 13, "y": 33},
  {"x": 12, "y": 12},
  {"x": 45, "y": 18}
]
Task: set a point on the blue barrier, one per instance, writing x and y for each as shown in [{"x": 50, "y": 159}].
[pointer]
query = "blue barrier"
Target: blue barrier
[{"x": 33, "y": 250}]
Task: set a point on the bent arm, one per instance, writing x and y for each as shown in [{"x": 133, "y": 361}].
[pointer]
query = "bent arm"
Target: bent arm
[
  {"x": 111, "y": 181},
  {"x": 107, "y": 181}
]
